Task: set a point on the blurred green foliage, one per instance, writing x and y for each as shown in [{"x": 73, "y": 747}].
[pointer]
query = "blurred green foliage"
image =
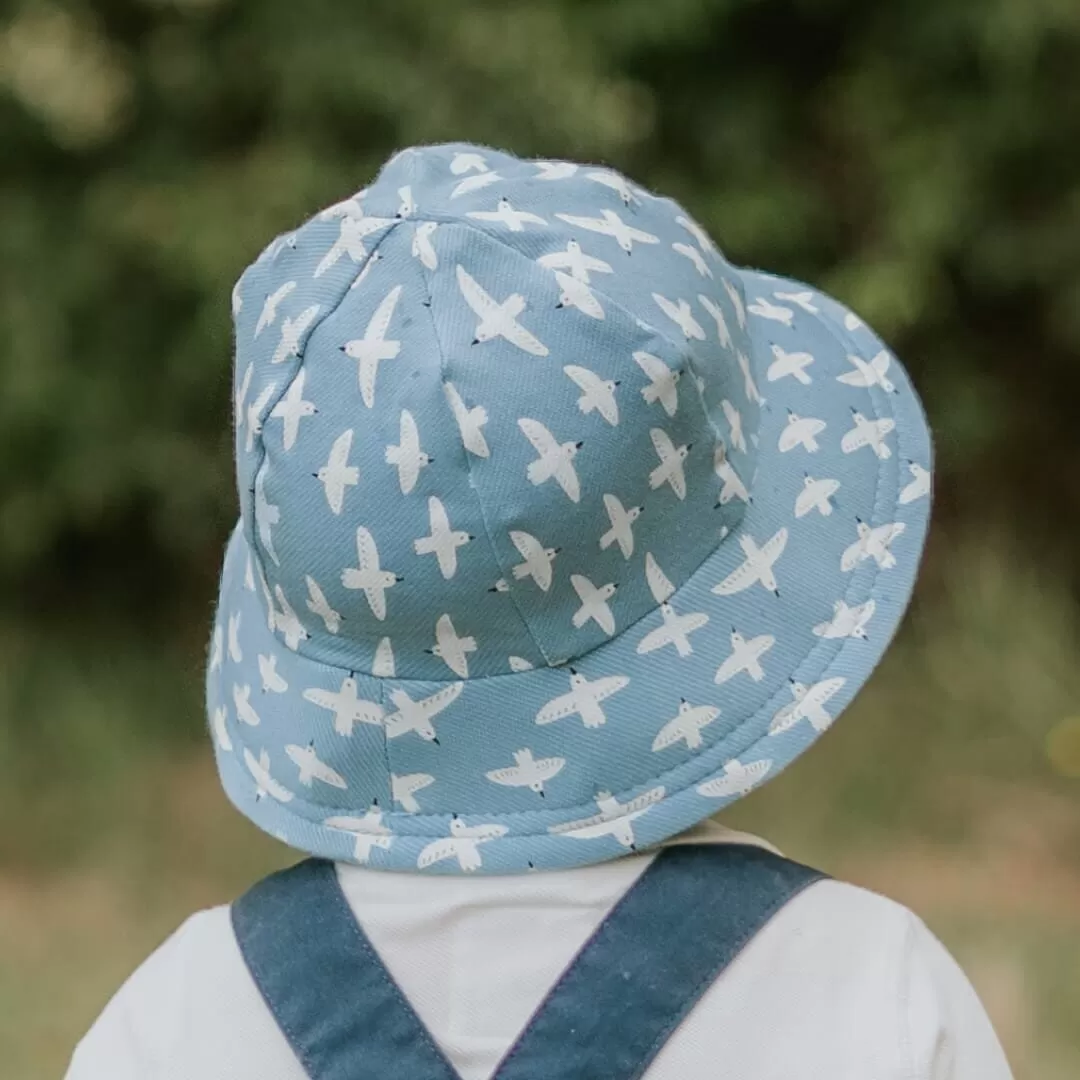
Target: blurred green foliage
[{"x": 920, "y": 158}]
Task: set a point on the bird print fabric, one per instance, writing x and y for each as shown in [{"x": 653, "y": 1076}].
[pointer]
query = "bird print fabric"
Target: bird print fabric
[{"x": 536, "y": 485}]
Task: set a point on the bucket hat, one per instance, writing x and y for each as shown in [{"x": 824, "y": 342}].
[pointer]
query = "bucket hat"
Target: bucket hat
[{"x": 558, "y": 532}]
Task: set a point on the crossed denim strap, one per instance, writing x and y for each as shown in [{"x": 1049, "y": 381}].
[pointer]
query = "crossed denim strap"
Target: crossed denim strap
[{"x": 661, "y": 947}]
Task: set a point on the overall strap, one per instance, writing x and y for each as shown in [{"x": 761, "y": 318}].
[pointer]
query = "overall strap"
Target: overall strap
[
  {"x": 685, "y": 920},
  {"x": 331, "y": 995}
]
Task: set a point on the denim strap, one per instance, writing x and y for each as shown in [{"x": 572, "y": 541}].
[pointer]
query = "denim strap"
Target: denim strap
[
  {"x": 661, "y": 947},
  {"x": 331, "y": 995}
]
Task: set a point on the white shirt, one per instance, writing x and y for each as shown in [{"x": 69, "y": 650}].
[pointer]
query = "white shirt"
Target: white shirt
[{"x": 842, "y": 984}]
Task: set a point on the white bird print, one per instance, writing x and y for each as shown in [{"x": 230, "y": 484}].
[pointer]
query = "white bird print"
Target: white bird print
[
  {"x": 368, "y": 831},
  {"x": 847, "y": 622},
  {"x": 272, "y": 681},
  {"x": 617, "y": 183},
  {"x": 766, "y": 309},
  {"x": 555, "y": 461},
  {"x": 734, "y": 419},
  {"x": 366, "y": 269},
  {"x": 267, "y": 515},
  {"x": 292, "y": 334},
  {"x": 417, "y": 716},
  {"x": 352, "y": 232},
  {"x": 237, "y": 297},
  {"x": 852, "y": 321},
  {"x": 554, "y": 170},
  {"x": 678, "y": 311},
  {"x": 610, "y": 224},
  {"x": 217, "y": 649},
  {"x": 615, "y": 819},
  {"x": 498, "y": 320},
  {"x": 660, "y": 585},
  {"x": 382, "y": 664},
  {"x": 465, "y": 161},
  {"x": 235, "y": 653},
  {"x": 337, "y": 474},
  {"x": 870, "y": 433},
  {"x": 470, "y": 422},
  {"x": 462, "y": 844},
  {"x": 695, "y": 256},
  {"x": 527, "y": 771},
  {"x": 538, "y": 559},
  {"x": 663, "y": 382},
  {"x": 268, "y": 315},
  {"x": 717, "y": 313},
  {"x": 311, "y": 768},
  {"x": 255, "y": 417},
  {"x": 404, "y": 789},
  {"x": 452, "y": 649},
  {"x": 733, "y": 486},
  {"x": 265, "y": 784},
  {"x": 801, "y": 431},
  {"x": 736, "y": 297},
  {"x": 407, "y": 207},
  {"x": 873, "y": 543},
  {"x": 575, "y": 293},
  {"x": 443, "y": 541},
  {"x": 249, "y": 574},
  {"x": 475, "y": 182},
  {"x": 370, "y": 350},
  {"x": 793, "y": 364},
  {"x": 583, "y": 700},
  {"x": 670, "y": 470},
  {"x": 686, "y": 726},
  {"x": 816, "y": 495},
  {"x": 292, "y": 408},
  {"x": 221, "y": 732},
  {"x": 745, "y": 656},
  {"x": 368, "y": 575},
  {"x": 751, "y": 389},
  {"x": 574, "y": 260},
  {"x": 737, "y": 779},
  {"x": 519, "y": 663},
  {"x": 317, "y": 604},
  {"x": 347, "y": 706},
  {"x": 756, "y": 567},
  {"x": 868, "y": 372},
  {"x": 597, "y": 394},
  {"x": 918, "y": 486},
  {"x": 407, "y": 456},
  {"x": 704, "y": 241},
  {"x": 277, "y": 246},
  {"x": 803, "y": 299},
  {"x": 350, "y": 207},
  {"x": 674, "y": 630},
  {"x": 505, "y": 214},
  {"x": 594, "y": 604},
  {"x": 287, "y": 622},
  {"x": 622, "y": 521},
  {"x": 809, "y": 704},
  {"x": 241, "y": 395},
  {"x": 422, "y": 246},
  {"x": 245, "y": 711}
]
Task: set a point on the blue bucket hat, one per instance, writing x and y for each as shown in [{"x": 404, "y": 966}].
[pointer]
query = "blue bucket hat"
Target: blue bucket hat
[{"x": 558, "y": 532}]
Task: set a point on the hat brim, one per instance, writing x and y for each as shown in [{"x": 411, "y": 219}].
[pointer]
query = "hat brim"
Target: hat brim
[{"x": 647, "y": 791}]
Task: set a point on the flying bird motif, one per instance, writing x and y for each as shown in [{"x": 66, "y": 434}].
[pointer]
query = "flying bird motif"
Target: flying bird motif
[
  {"x": 583, "y": 700},
  {"x": 368, "y": 575},
  {"x": 337, "y": 474},
  {"x": 598, "y": 395},
  {"x": 737, "y": 779},
  {"x": 374, "y": 347},
  {"x": 407, "y": 457},
  {"x": 417, "y": 716},
  {"x": 470, "y": 422},
  {"x": 311, "y": 768},
  {"x": 622, "y": 522},
  {"x": 757, "y": 566},
  {"x": 614, "y": 819},
  {"x": 809, "y": 704},
  {"x": 556, "y": 460},
  {"x": 663, "y": 382},
  {"x": 498, "y": 319},
  {"x": 685, "y": 726}
]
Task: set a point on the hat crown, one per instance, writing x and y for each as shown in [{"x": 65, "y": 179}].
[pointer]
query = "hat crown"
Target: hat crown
[{"x": 490, "y": 413}]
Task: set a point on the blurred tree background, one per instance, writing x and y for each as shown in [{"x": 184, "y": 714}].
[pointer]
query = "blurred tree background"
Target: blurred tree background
[{"x": 919, "y": 158}]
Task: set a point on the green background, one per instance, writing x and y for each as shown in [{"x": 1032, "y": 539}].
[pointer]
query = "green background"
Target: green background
[{"x": 918, "y": 158}]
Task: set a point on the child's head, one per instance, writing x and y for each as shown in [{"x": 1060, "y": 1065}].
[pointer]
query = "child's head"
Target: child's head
[{"x": 558, "y": 531}]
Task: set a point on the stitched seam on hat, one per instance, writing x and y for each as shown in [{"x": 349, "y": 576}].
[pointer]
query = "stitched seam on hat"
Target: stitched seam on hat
[
  {"x": 683, "y": 348},
  {"x": 479, "y": 501},
  {"x": 251, "y": 537},
  {"x": 771, "y": 703}
]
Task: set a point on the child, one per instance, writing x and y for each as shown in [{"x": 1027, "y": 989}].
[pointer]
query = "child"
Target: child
[{"x": 558, "y": 534}]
